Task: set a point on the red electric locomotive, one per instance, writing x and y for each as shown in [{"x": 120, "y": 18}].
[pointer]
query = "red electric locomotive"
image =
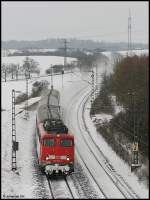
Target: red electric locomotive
[{"x": 55, "y": 146}]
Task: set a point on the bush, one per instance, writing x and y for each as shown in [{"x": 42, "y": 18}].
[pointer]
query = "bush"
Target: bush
[
  {"x": 38, "y": 86},
  {"x": 56, "y": 69},
  {"x": 20, "y": 98},
  {"x": 103, "y": 104}
]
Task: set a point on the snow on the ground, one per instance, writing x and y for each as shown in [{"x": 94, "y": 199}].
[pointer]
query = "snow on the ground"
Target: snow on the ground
[
  {"x": 101, "y": 118},
  {"x": 44, "y": 61},
  {"x": 30, "y": 50},
  {"x": 23, "y": 182},
  {"x": 29, "y": 182},
  {"x": 7, "y": 88},
  {"x": 41, "y": 50},
  {"x": 118, "y": 164},
  {"x": 117, "y": 108},
  {"x": 125, "y": 52},
  {"x": 135, "y": 52}
]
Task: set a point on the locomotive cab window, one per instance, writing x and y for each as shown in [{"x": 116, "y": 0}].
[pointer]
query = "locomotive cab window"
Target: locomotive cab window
[
  {"x": 48, "y": 142},
  {"x": 66, "y": 143}
]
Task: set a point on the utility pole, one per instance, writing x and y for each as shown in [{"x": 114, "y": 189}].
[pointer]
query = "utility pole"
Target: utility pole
[
  {"x": 96, "y": 80},
  {"x": 129, "y": 34},
  {"x": 27, "y": 72},
  {"x": 51, "y": 76},
  {"x": 92, "y": 89},
  {"x": 135, "y": 147},
  {"x": 65, "y": 52},
  {"x": 14, "y": 143},
  {"x": 65, "y": 57},
  {"x": 62, "y": 72}
]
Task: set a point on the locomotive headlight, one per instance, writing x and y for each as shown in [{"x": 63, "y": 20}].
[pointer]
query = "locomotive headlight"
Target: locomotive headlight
[
  {"x": 47, "y": 158},
  {"x": 67, "y": 157}
]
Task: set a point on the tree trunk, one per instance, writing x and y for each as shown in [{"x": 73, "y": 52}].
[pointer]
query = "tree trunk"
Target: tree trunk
[
  {"x": 12, "y": 75},
  {"x": 16, "y": 75},
  {"x": 5, "y": 76}
]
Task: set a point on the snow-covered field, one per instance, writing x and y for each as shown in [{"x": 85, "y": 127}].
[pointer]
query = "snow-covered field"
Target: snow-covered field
[
  {"x": 135, "y": 52},
  {"x": 44, "y": 61},
  {"x": 28, "y": 182},
  {"x": 5, "y": 52}
]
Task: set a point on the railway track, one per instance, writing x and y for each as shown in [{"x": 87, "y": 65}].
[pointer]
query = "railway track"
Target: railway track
[
  {"x": 121, "y": 185},
  {"x": 60, "y": 187},
  {"x": 116, "y": 178},
  {"x": 103, "y": 195}
]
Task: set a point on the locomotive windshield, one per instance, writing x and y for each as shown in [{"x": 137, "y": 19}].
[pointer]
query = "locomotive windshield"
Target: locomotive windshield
[
  {"x": 66, "y": 143},
  {"x": 48, "y": 142}
]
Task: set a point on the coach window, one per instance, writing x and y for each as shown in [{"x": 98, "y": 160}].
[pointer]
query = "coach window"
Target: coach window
[
  {"x": 49, "y": 142},
  {"x": 66, "y": 143}
]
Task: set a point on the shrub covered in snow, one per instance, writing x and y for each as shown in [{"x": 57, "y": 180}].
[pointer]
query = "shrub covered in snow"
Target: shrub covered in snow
[
  {"x": 38, "y": 86},
  {"x": 20, "y": 98}
]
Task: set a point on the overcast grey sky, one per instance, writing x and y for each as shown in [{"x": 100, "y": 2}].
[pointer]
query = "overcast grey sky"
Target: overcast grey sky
[{"x": 107, "y": 21}]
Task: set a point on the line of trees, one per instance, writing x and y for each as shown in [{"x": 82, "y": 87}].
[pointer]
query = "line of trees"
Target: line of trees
[
  {"x": 129, "y": 83},
  {"x": 14, "y": 70},
  {"x": 131, "y": 80}
]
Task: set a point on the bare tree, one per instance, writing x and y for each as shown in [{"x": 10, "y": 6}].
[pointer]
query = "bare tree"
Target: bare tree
[
  {"x": 13, "y": 68},
  {"x": 5, "y": 71},
  {"x": 30, "y": 66}
]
